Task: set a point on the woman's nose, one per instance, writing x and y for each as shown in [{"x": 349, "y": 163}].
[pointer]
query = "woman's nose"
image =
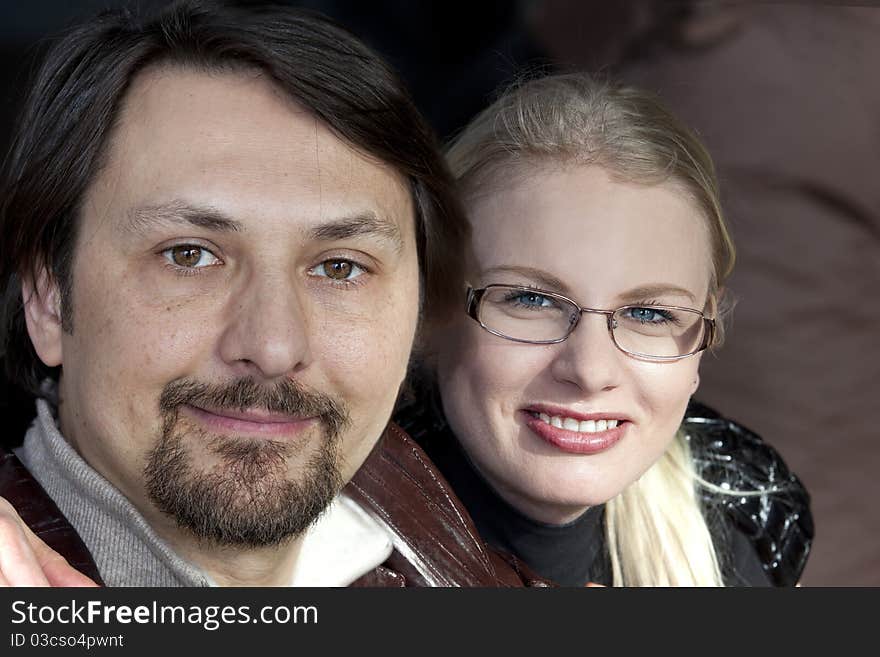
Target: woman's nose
[{"x": 588, "y": 358}]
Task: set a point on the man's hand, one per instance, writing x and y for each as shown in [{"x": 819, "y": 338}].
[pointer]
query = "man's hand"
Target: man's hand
[{"x": 25, "y": 560}]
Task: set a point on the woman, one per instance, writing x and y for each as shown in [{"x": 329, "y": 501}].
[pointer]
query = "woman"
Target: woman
[{"x": 599, "y": 259}]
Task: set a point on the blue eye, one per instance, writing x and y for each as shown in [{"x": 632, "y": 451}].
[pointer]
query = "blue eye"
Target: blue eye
[
  {"x": 530, "y": 300},
  {"x": 649, "y": 315}
]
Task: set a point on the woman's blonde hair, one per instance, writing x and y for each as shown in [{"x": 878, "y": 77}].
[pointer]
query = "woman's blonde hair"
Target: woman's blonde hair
[{"x": 655, "y": 530}]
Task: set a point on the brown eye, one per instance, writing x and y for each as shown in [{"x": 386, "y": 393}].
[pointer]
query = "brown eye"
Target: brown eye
[
  {"x": 337, "y": 269},
  {"x": 186, "y": 256},
  {"x": 190, "y": 256},
  {"x": 340, "y": 270}
]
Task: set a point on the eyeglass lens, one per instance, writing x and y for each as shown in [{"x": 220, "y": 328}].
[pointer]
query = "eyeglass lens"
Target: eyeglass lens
[{"x": 529, "y": 315}]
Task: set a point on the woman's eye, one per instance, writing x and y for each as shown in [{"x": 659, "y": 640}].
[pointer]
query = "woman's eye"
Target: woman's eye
[
  {"x": 648, "y": 315},
  {"x": 531, "y": 299},
  {"x": 190, "y": 256},
  {"x": 338, "y": 270}
]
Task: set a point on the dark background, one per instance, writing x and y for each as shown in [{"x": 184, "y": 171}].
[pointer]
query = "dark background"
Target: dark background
[{"x": 787, "y": 97}]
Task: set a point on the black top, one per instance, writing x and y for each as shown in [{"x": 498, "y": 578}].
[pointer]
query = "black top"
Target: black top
[
  {"x": 761, "y": 540},
  {"x": 562, "y": 553}
]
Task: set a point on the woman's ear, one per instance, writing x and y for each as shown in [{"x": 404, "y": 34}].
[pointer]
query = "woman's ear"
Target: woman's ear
[
  {"x": 696, "y": 383},
  {"x": 42, "y": 312}
]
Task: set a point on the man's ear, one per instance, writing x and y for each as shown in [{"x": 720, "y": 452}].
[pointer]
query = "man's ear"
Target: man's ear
[
  {"x": 42, "y": 313},
  {"x": 696, "y": 383}
]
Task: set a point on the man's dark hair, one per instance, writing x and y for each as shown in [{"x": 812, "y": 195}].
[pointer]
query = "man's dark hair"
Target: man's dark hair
[{"x": 74, "y": 103}]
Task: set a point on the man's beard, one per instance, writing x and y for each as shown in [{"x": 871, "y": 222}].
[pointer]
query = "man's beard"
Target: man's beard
[{"x": 248, "y": 499}]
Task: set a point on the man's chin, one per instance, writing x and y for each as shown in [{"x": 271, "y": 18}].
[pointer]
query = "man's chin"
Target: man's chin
[{"x": 248, "y": 498}]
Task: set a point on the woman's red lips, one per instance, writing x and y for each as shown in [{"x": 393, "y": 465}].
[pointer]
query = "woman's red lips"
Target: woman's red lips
[
  {"x": 561, "y": 411},
  {"x": 592, "y": 440}
]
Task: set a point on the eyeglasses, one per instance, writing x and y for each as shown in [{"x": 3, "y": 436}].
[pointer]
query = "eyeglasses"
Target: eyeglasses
[{"x": 530, "y": 315}]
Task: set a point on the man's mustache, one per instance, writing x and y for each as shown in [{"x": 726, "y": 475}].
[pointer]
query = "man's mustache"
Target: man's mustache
[{"x": 285, "y": 397}]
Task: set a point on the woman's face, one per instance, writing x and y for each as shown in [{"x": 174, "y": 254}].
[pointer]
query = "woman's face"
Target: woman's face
[{"x": 604, "y": 244}]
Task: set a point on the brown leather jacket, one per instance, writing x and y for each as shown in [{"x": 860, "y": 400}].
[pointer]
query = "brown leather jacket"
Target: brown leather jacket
[{"x": 437, "y": 543}]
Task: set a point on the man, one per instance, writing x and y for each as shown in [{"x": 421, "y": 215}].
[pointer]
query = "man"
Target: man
[{"x": 218, "y": 227}]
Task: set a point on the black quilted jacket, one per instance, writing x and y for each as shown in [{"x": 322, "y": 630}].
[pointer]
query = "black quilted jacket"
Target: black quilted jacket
[{"x": 778, "y": 522}]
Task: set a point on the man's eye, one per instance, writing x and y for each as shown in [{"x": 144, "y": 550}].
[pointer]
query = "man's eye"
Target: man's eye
[
  {"x": 190, "y": 256},
  {"x": 338, "y": 270}
]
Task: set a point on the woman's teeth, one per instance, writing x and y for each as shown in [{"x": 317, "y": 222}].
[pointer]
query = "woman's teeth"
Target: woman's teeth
[{"x": 582, "y": 426}]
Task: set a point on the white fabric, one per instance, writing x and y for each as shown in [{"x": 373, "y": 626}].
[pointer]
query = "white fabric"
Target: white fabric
[{"x": 345, "y": 543}]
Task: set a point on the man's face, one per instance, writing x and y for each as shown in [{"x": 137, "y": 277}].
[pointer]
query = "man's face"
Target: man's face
[{"x": 245, "y": 296}]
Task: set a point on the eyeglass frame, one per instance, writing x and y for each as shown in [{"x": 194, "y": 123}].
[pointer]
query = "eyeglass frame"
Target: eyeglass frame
[{"x": 475, "y": 296}]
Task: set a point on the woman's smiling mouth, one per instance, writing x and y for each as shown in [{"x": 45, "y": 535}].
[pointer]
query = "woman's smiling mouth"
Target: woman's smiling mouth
[{"x": 575, "y": 432}]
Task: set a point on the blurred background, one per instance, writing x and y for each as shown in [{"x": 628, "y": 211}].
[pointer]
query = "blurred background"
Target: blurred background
[{"x": 787, "y": 97}]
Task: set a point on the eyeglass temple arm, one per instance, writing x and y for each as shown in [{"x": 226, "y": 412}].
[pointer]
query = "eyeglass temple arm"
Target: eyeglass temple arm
[
  {"x": 472, "y": 301},
  {"x": 710, "y": 333}
]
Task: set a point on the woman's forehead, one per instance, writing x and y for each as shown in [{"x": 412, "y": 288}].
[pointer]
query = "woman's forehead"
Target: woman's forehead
[{"x": 594, "y": 234}]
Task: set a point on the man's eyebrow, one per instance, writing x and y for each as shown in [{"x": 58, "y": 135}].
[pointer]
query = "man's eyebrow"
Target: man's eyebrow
[
  {"x": 363, "y": 224},
  {"x": 144, "y": 218},
  {"x": 643, "y": 292},
  {"x": 147, "y": 217},
  {"x": 543, "y": 278}
]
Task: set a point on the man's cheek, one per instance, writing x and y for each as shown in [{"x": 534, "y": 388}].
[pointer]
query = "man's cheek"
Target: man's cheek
[
  {"x": 169, "y": 339},
  {"x": 364, "y": 357}
]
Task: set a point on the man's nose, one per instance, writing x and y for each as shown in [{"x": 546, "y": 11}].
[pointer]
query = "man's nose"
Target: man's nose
[
  {"x": 268, "y": 328},
  {"x": 589, "y": 358}
]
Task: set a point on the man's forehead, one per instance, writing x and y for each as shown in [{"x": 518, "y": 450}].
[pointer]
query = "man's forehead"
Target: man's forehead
[
  {"x": 231, "y": 115},
  {"x": 234, "y": 143}
]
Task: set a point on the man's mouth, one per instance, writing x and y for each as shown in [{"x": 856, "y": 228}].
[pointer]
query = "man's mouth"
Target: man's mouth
[{"x": 249, "y": 421}]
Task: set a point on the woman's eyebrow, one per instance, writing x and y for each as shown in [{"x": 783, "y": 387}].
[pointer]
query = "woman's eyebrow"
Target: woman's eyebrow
[
  {"x": 655, "y": 290},
  {"x": 552, "y": 283},
  {"x": 543, "y": 278}
]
